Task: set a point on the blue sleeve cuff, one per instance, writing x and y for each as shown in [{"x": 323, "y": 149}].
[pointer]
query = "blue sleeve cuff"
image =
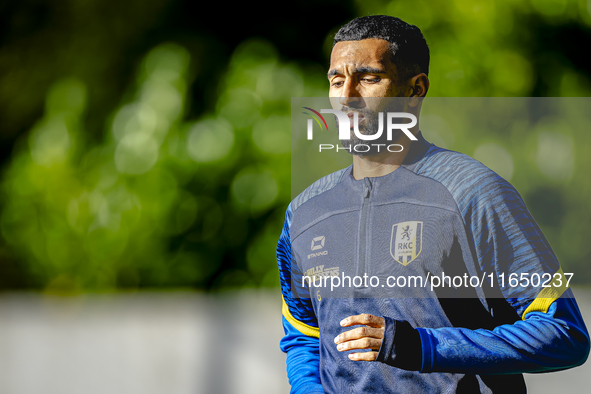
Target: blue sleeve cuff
[
  {"x": 401, "y": 346},
  {"x": 427, "y": 351}
]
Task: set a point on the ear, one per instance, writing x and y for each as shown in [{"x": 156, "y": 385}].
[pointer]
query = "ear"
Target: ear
[{"x": 419, "y": 85}]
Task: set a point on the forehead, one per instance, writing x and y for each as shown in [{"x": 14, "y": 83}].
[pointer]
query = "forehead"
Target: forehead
[{"x": 372, "y": 52}]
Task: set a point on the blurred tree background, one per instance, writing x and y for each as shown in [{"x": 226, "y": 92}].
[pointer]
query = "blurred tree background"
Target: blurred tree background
[{"x": 146, "y": 143}]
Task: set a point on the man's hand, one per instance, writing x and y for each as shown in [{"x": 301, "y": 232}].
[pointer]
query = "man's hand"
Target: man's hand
[{"x": 367, "y": 337}]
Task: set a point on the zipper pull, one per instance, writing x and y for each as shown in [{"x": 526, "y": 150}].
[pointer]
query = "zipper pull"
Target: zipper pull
[{"x": 367, "y": 187}]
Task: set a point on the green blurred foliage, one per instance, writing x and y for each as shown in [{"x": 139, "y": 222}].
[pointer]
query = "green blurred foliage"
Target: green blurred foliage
[
  {"x": 164, "y": 198},
  {"x": 162, "y": 201},
  {"x": 504, "y": 48}
]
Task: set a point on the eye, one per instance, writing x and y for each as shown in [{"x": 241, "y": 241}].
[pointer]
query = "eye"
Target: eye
[
  {"x": 337, "y": 84},
  {"x": 371, "y": 79}
]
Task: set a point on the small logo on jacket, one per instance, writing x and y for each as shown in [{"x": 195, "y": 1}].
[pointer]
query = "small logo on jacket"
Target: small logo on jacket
[
  {"x": 317, "y": 243},
  {"x": 406, "y": 242}
]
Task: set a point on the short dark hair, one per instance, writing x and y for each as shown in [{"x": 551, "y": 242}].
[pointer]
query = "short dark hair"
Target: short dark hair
[{"x": 410, "y": 52}]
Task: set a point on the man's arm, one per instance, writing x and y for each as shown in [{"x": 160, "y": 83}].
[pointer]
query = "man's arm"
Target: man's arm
[
  {"x": 507, "y": 241},
  {"x": 551, "y": 334},
  {"x": 301, "y": 340},
  {"x": 542, "y": 341}
]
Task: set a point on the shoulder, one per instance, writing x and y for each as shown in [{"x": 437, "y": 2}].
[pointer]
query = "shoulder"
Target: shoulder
[
  {"x": 322, "y": 185},
  {"x": 471, "y": 183},
  {"x": 455, "y": 170}
]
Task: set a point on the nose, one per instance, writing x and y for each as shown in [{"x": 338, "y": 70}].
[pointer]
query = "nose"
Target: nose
[{"x": 350, "y": 95}]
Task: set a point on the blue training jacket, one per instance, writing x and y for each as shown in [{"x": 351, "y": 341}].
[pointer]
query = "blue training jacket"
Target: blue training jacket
[{"x": 447, "y": 250}]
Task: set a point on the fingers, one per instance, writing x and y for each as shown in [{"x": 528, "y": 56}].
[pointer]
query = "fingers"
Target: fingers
[
  {"x": 366, "y": 356},
  {"x": 358, "y": 333},
  {"x": 367, "y": 337},
  {"x": 365, "y": 319},
  {"x": 364, "y": 343}
]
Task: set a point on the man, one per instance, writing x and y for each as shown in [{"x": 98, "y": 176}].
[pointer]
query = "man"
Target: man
[{"x": 420, "y": 212}]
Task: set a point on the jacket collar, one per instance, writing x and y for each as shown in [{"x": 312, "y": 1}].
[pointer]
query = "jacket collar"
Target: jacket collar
[{"x": 418, "y": 149}]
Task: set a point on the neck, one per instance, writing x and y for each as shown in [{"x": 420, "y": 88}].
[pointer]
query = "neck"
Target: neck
[{"x": 382, "y": 163}]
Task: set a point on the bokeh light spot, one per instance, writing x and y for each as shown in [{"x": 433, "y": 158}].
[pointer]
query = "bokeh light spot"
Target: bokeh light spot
[
  {"x": 254, "y": 190},
  {"x": 555, "y": 156},
  {"x": 136, "y": 154},
  {"x": 210, "y": 140},
  {"x": 496, "y": 158},
  {"x": 272, "y": 135},
  {"x": 50, "y": 142},
  {"x": 134, "y": 118}
]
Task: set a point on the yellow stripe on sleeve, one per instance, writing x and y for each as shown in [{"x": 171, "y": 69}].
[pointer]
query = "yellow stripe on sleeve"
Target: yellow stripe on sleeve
[
  {"x": 301, "y": 327},
  {"x": 548, "y": 294}
]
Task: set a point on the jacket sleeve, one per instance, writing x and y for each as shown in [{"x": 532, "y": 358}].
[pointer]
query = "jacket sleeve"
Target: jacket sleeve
[
  {"x": 301, "y": 340},
  {"x": 550, "y": 335},
  {"x": 543, "y": 341}
]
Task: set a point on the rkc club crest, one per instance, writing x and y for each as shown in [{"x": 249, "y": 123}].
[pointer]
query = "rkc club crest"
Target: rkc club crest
[{"x": 406, "y": 242}]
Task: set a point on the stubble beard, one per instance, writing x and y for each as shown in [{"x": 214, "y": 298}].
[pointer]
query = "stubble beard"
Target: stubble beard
[{"x": 369, "y": 127}]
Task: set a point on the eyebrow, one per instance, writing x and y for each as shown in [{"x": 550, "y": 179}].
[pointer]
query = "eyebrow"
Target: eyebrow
[{"x": 360, "y": 70}]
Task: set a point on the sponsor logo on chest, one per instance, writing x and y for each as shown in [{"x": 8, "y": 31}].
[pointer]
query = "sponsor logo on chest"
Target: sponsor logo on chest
[{"x": 320, "y": 272}]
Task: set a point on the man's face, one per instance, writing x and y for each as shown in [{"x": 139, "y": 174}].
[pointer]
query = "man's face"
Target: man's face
[
  {"x": 361, "y": 73},
  {"x": 363, "y": 69}
]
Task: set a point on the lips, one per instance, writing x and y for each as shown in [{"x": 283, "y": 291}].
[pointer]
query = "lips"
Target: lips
[{"x": 352, "y": 116}]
